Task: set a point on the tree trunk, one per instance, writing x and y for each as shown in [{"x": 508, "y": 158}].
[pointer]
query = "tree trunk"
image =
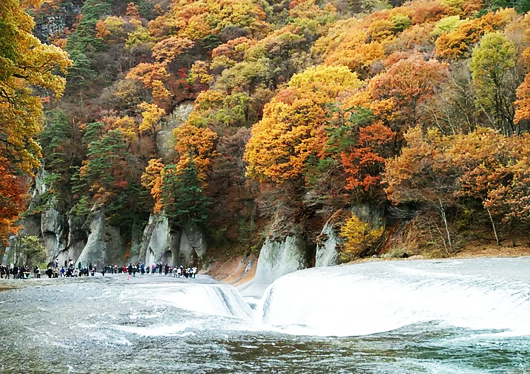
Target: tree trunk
[
  {"x": 494, "y": 229},
  {"x": 444, "y": 218}
]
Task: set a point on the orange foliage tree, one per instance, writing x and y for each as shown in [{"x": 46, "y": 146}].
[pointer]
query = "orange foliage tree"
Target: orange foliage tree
[
  {"x": 522, "y": 112},
  {"x": 483, "y": 165},
  {"x": 410, "y": 84},
  {"x": 288, "y": 135},
  {"x": 25, "y": 65},
  {"x": 455, "y": 44},
  {"x": 423, "y": 174},
  {"x": 195, "y": 144}
]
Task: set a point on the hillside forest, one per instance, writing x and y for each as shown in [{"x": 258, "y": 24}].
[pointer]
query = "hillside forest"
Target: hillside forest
[{"x": 301, "y": 113}]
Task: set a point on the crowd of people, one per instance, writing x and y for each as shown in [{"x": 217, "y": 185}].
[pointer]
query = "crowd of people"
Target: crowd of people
[
  {"x": 70, "y": 270},
  {"x": 133, "y": 269},
  {"x": 17, "y": 272}
]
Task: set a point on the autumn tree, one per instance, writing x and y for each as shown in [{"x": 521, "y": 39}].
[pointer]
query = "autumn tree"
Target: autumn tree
[
  {"x": 353, "y": 156},
  {"x": 455, "y": 44},
  {"x": 493, "y": 169},
  {"x": 287, "y": 136},
  {"x": 25, "y": 65},
  {"x": 410, "y": 84},
  {"x": 152, "y": 181},
  {"x": 195, "y": 145},
  {"x": 423, "y": 174},
  {"x": 492, "y": 67},
  {"x": 358, "y": 236},
  {"x": 522, "y": 112}
]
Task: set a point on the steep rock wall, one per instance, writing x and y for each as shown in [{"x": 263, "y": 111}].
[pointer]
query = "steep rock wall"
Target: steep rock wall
[
  {"x": 327, "y": 253},
  {"x": 192, "y": 246},
  {"x": 164, "y": 137},
  {"x": 175, "y": 247},
  {"x": 276, "y": 259},
  {"x": 104, "y": 246}
]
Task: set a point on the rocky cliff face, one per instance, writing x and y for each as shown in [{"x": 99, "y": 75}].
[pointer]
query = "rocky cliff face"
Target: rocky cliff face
[
  {"x": 52, "y": 21},
  {"x": 92, "y": 239},
  {"x": 327, "y": 249},
  {"x": 276, "y": 258},
  {"x": 164, "y": 137},
  {"x": 176, "y": 247}
]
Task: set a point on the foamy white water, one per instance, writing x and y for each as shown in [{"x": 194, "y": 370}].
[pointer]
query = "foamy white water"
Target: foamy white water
[
  {"x": 480, "y": 294},
  {"x": 158, "y": 324},
  {"x": 212, "y": 299}
]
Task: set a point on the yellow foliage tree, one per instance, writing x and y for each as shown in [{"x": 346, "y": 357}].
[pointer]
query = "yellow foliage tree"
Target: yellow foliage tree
[
  {"x": 25, "y": 64},
  {"x": 152, "y": 181},
  {"x": 288, "y": 135},
  {"x": 195, "y": 144},
  {"x": 359, "y": 235},
  {"x": 151, "y": 114}
]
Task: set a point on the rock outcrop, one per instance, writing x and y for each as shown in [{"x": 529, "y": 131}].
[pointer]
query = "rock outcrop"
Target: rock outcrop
[
  {"x": 164, "y": 137},
  {"x": 276, "y": 258},
  {"x": 176, "y": 247},
  {"x": 104, "y": 245},
  {"x": 327, "y": 253}
]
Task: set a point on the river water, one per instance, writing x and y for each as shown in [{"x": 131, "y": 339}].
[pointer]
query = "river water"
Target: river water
[{"x": 451, "y": 316}]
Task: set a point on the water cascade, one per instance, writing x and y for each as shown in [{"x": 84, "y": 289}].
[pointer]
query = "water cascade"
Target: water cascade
[
  {"x": 484, "y": 294},
  {"x": 451, "y": 316},
  {"x": 210, "y": 299}
]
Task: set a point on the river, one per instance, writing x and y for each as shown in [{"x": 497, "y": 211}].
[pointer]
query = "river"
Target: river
[{"x": 447, "y": 316}]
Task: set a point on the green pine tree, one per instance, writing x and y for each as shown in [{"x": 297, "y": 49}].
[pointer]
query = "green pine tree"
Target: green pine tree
[{"x": 183, "y": 198}]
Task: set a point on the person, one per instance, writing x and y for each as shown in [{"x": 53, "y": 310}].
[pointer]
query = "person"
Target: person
[
  {"x": 36, "y": 271},
  {"x": 179, "y": 272},
  {"x": 57, "y": 262},
  {"x": 63, "y": 271},
  {"x": 130, "y": 269}
]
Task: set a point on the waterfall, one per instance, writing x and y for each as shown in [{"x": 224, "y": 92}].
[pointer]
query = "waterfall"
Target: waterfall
[
  {"x": 211, "y": 299},
  {"x": 478, "y": 294}
]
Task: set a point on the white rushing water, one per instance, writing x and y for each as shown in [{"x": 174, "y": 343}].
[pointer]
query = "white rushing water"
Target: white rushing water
[
  {"x": 464, "y": 317},
  {"x": 211, "y": 299},
  {"x": 369, "y": 298},
  {"x": 480, "y": 294}
]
